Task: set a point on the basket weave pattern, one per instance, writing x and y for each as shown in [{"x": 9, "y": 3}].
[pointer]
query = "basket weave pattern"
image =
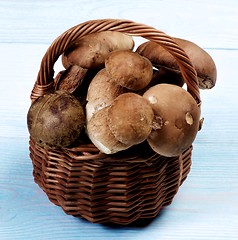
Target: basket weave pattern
[{"x": 118, "y": 188}]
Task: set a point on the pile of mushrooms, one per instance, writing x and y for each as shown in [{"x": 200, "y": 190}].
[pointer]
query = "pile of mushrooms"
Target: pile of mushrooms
[{"x": 128, "y": 96}]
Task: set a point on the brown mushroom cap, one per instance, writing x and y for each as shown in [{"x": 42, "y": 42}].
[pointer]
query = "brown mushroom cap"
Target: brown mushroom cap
[
  {"x": 91, "y": 50},
  {"x": 176, "y": 119},
  {"x": 130, "y": 118},
  {"x": 101, "y": 92},
  {"x": 129, "y": 69},
  {"x": 55, "y": 120},
  {"x": 128, "y": 121},
  {"x": 202, "y": 61}
]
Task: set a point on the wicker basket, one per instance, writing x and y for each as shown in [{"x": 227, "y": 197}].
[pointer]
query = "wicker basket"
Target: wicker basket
[{"x": 119, "y": 188}]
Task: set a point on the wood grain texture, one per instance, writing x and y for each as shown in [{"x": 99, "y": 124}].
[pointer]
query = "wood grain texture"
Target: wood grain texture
[{"x": 206, "y": 207}]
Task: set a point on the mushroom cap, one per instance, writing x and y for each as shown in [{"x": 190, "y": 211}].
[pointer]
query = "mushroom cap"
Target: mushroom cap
[
  {"x": 55, "y": 120},
  {"x": 99, "y": 133},
  {"x": 127, "y": 122},
  {"x": 130, "y": 118},
  {"x": 129, "y": 69},
  {"x": 101, "y": 92},
  {"x": 91, "y": 50},
  {"x": 176, "y": 121},
  {"x": 202, "y": 61}
]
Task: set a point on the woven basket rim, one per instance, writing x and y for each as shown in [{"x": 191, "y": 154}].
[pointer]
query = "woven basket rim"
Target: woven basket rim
[
  {"x": 45, "y": 78},
  {"x": 89, "y": 152}
]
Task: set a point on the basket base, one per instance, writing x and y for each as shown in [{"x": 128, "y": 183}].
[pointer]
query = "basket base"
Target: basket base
[{"x": 118, "y": 189}]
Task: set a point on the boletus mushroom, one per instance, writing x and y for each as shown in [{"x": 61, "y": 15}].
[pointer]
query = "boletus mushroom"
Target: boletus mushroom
[
  {"x": 91, "y": 50},
  {"x": 124, "y": 71},
  {"x": 202, "y": 61},
  {"x": 126, "y": 122},
  {"x": 129, "y": 69},
  {"x": 176, "y": 121},
  {"x": 55, "y": 120}
]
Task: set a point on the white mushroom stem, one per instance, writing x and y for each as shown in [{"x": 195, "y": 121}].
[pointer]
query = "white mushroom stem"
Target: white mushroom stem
[
  {"x": 99, "y": 133},
  {"x": 101, "y": 93}
]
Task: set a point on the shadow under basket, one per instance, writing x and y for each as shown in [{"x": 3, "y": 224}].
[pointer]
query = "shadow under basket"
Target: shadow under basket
[{"x": 118, "y": 188}]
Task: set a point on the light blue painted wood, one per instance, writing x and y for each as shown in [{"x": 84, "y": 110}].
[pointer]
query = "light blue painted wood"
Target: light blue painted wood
[{"x": 206, "y": 207}]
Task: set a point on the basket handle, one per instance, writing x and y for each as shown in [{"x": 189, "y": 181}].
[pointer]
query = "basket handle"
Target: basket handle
[{"x": 45, "y": 78}]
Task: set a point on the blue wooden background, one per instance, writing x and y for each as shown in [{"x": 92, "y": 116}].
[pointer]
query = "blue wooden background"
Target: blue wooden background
[{"x": 206, "y": 207}]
